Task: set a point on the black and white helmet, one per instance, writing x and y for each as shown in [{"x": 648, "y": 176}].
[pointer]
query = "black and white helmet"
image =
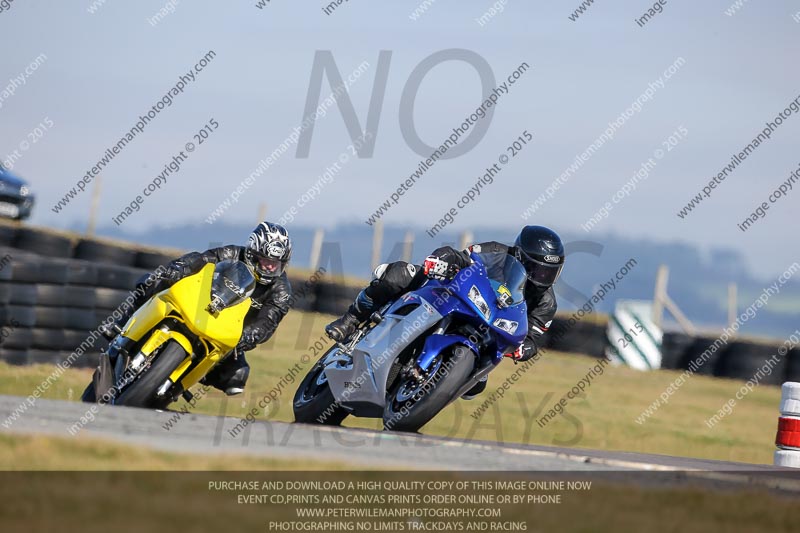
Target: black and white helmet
[{"x": 268, "y": 251}]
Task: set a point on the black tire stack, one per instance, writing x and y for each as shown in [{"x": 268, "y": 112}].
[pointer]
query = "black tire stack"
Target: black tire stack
[
  {"x": 333, "y": 298},
  {"x": 55, "y": 291},
  {"x": 581, "y": 337}
]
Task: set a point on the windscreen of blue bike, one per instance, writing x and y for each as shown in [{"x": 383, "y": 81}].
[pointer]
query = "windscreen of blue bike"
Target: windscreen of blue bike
[
  {"x": 233, "y": 281},
  {"x": 504, "y": 270}
]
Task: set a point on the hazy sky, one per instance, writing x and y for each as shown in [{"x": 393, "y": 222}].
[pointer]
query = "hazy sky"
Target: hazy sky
[{"x": 105, "y": 69}]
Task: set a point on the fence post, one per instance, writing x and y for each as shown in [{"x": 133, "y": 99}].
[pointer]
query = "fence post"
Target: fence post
[
  {"x": 465, "y": 240},
  {"x": 95, "y": 204},
  {"x": 316, "y": 246},
  {"x": 377, "y": 243},
  {"x": 732, "y": 304},
  {"x": 408, "y": 246}
]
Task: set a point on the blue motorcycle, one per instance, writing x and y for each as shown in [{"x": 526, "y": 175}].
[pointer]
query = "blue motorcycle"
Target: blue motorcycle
[{"x": 423, "y": 351}]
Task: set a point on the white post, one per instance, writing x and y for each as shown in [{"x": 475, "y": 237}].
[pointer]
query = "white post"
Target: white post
[
  {"x": 465, "y": 240},
  {"x": 316, "y": 247},
  {"x": 684, "y": 322},
  {"x": 408, "y": 246},
  {"x": 95, "y": 204},
  {"x": 377, "y": 242},
  {"x": 732, "y": 304},
  {"x": 662, "y": 277}
]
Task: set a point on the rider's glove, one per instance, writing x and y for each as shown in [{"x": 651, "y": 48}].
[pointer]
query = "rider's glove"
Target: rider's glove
[
  {"x": 172, "y": 272},
  {"x": 435, "y": 268},
  {"x": 525, "y": 351},
  {"x": 250, "y": 339}
]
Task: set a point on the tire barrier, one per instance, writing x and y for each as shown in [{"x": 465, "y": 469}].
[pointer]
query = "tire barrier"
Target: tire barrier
[
  {"x": 793, "y": 365},
  {"x": 673, "y": 346},
  {"x": 99, "y": 252},
  {"x": 740, "y": 359},
  {"x": 151, "y": 260},
  {"x": 7, "y": 234},
  {"x": 38, "y": 243},
  {"x": 580, "y": 337},
  {"x": 303, "y": 298},
  {"x": 700, "y": 358},
  {"x": 744, "y": 359},
  {"x": 333, "y": 298},
  {"x": 50, "y": 305},
  {"x": 737, "y": 359},
  {"x": 43, "y": 243},
  {"x": 787, "y": 438}
]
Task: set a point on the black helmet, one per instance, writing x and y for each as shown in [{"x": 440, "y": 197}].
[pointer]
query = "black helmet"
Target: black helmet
[
  {"x": 268, "y": 251},
  {"x": 541, "y": 252}
]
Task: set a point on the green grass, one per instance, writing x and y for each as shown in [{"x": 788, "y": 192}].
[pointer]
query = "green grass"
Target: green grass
[{"x": 604, "y": 418}]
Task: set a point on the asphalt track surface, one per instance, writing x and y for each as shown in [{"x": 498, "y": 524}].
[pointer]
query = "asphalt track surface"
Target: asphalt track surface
[{"x": 206, "y": 434}]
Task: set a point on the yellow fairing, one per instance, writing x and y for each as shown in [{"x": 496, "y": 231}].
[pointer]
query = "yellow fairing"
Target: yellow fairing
[{"x": 187, "y": 301}]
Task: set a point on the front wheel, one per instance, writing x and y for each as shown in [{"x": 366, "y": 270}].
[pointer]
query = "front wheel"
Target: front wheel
[
  {"x": 314, "y": 402},
  {"x": 412, "y": 403},
  {"x": 142, "y": 393}
]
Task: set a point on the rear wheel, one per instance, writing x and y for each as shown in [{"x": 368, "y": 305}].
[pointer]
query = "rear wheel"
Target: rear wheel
[
  {"x": 142, "y": 393},
  {"x": 414, "y": 402},
  {"x": 314, "y": 402}
]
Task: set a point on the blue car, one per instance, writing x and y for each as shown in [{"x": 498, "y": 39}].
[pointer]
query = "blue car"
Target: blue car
[
  {"x": 16, "y": 199},
  {"x": 423, "y": 351}
]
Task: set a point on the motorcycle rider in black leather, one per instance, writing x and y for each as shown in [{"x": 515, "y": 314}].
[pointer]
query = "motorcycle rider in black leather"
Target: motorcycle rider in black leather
[
  {"x": 268, "y": 251},
  {"x": 540, "y": 251}
]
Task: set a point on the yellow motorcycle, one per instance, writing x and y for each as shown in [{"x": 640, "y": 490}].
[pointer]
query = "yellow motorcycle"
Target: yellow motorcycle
[{"x": 174, "y": 339}]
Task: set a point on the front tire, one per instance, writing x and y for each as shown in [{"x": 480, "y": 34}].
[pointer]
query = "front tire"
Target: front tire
[
  {"x": 409, "y": 407},
  {"x": 142, "y": 393},
  {"x": 314, "y": 402}
]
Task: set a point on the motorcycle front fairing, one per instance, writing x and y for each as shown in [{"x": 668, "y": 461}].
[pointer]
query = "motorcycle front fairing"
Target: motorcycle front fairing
[
  {"x": 453, "y": 298},
  {"x": 359, "y": 379},
  {"x": 187, "y": 301}
]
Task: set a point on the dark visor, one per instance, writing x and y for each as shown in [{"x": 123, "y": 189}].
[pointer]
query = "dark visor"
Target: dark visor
[{"x": 541, "y": 273}]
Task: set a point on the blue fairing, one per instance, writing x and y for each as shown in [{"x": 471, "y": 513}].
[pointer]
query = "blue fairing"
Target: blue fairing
[{"x": 451, "y": 298}]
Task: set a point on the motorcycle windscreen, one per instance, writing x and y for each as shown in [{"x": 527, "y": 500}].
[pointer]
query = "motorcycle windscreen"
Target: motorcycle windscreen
[
  {"x": 506, "y": 274},
  {"x": 191, "y": 297},
  {"x": 231, "y": 283}
]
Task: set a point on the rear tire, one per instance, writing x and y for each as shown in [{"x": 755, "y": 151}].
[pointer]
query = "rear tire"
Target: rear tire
[
  {"x": 421, "y": 408},
  {"x": 314, "y": 402},
  {"x": 142, "y": 393}
]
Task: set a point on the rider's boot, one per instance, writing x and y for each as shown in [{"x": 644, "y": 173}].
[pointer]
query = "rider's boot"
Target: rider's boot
[
  {"x": 340, "y": 329},
  {"x": 230, "y": 376}
]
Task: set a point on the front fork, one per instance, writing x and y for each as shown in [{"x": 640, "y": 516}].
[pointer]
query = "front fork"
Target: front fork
[{"x": 127, "y": 368}]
